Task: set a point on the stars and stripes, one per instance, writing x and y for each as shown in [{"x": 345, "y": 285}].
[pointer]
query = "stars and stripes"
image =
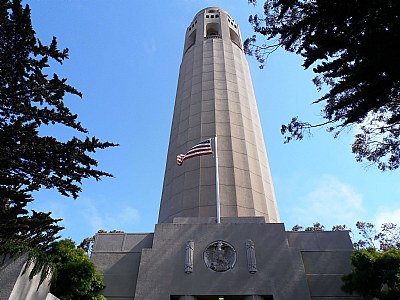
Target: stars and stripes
[{"x": 202, "y": 148}]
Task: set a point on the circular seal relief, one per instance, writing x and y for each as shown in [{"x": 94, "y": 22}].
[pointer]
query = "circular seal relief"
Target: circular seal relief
[{"x": 219, "y": 256}]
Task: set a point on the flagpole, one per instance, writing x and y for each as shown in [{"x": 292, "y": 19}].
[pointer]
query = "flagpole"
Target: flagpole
[{"x": 217, "y": 183}]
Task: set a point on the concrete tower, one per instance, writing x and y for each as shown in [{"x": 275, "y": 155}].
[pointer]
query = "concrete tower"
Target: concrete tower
[
  {"x": 248, "y": 255},
  {"x": 215, "y": 97}
]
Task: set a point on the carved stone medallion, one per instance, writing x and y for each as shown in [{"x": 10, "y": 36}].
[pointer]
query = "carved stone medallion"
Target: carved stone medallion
[{"x": 220, "y": 256}]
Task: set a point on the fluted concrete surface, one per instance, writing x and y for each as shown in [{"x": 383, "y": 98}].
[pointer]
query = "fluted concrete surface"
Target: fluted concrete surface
[{"x": 215, "y": 97}]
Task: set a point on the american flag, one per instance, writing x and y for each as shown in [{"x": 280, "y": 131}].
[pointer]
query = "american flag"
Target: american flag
[{"x": 202, "y": 148}]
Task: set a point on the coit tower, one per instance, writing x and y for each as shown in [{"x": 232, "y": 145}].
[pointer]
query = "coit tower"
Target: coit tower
[
  {"x": 243, "y": 252},
  {"x": 215, "y": 97}
]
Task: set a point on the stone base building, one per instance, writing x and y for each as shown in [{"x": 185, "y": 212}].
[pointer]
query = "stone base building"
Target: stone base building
[{"x": 268, "y": 263}]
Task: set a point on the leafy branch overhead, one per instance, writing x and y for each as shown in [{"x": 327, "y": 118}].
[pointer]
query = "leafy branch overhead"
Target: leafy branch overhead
[{"x": 352, "y": 48}]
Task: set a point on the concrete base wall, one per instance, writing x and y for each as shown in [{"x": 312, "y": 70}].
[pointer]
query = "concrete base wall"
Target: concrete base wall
[
  {"x": 289, "y": 265},
  {"x": 16, "y": 285},
  {"x": 9, "y": 272},
  {"x": 117, "y": 257}
]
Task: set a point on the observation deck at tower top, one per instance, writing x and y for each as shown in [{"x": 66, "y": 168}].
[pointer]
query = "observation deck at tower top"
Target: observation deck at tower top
[{"x": 217, "y": 23}]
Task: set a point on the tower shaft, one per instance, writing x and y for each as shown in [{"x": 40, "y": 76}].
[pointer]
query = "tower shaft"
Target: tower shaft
[{"x": 215, "y": 97}]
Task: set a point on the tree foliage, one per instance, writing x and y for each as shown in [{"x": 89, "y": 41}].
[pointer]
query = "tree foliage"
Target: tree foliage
[
  {"x": 297, "y": 227},
  {"x": 340, "y": 228},
  {"x": 316, "y": 227},
  {"x": 30, "y": 99},
  {"x": 19, "y": 229},
  {"x": 352, "y": 47},
  {"x": 375, "y": 275},
  {"x": 387, "y": 238},
  {"x": 376, "y": 263},
  {"x": 74, "y": 275}
]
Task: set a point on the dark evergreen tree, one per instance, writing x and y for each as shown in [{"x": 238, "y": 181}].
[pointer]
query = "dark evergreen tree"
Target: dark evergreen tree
[
  {"x": 30, "y": 99},
  {"x": 352, "y": 47},
  {"x": 20, "y": 231}
]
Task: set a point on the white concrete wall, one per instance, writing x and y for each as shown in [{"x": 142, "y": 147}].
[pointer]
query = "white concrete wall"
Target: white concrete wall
[
  {"x": 16, "y": 285},
  {"x": 31, "y": 289}
]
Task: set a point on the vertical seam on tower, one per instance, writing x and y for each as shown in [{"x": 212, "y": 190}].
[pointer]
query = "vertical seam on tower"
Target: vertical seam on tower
[
  {"x": 195, "y": 48},
  {"x": 201, "y": 123},
  {"x": 250, "y": 98},
  {"x": 244, "y": 129},
  {"x": 224, "y": 44},
  {"x": 215, "y": 114},
  {"x": 187, "y": 131}
]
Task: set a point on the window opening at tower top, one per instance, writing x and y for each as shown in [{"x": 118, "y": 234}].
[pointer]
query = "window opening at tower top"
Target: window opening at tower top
[
  {"x": 234, "y": 37},
  {"x": 213, "y": 30},
  {"x": 191, "y": 40}
]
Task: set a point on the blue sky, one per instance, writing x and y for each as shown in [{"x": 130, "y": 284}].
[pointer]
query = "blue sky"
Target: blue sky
[{"x": 124, "y": 58}]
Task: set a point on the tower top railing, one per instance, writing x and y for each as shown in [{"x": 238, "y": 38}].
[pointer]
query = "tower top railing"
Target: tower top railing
[{"x": 217, "y": 36}]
